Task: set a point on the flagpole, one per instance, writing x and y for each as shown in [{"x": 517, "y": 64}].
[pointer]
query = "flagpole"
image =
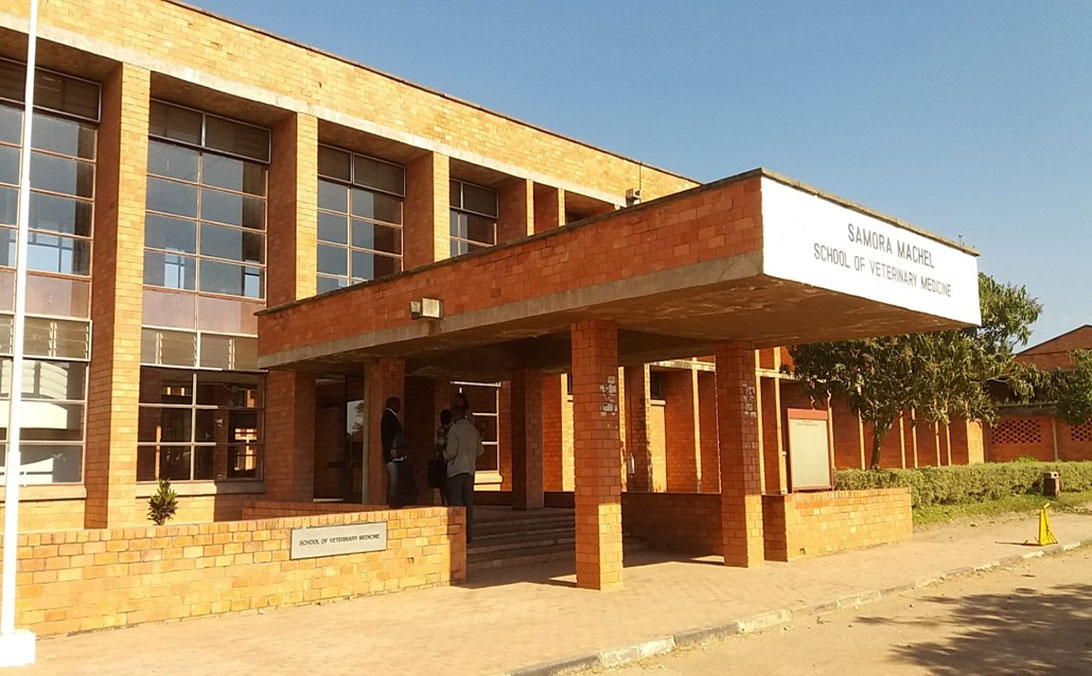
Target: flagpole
[{"x": 17, "y": 647}]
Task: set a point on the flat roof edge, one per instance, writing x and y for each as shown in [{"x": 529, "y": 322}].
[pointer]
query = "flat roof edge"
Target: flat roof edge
[{"x": 424, "y": 88}]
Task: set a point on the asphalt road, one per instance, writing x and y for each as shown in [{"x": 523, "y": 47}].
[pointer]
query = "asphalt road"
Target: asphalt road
[{"x": 1032, "y": 618}]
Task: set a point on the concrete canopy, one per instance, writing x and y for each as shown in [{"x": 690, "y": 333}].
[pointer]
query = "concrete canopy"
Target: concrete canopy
[{"x": 755, "y": 257}]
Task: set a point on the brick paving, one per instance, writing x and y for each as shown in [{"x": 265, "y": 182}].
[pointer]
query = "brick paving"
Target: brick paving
[{"x": 518, "y": 617}]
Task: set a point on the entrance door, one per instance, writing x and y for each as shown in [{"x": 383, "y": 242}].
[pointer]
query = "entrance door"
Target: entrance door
[{"x": 339, "y": 437}]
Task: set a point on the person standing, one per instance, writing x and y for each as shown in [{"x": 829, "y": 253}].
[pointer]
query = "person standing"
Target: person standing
[
  {"x": 464, "y": 447},
  {"x": 401, "y": 488},
  {"x": 437, "y": 467},
  {"x": 390, "y": 427}
]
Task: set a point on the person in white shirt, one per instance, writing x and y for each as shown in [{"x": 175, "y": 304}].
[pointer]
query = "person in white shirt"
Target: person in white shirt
[{"x": 464, "y": 447}]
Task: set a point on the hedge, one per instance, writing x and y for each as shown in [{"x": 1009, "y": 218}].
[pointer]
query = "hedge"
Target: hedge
[{"x": 968, "y": 483}]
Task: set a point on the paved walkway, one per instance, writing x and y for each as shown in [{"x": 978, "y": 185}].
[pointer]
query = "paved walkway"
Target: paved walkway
[{"x": 504, "y": 620}]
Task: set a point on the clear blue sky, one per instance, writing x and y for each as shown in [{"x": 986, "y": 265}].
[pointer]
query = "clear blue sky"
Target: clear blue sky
[{"x": 971, "y": 119}]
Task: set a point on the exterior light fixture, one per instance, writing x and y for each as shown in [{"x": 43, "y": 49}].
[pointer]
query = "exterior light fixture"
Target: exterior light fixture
[
  {"x": 633, "y": 196},
  {"x": 426, "y": 308}
]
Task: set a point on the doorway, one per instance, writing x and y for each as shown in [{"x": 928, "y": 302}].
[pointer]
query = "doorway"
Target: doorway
[{"x": 340, "y": 432}]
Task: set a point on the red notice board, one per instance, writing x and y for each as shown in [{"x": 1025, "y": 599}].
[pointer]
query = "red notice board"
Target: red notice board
[{"x": 809, "y": 450}]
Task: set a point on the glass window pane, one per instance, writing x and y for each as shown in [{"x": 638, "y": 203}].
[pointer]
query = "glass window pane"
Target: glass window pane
[
  {"x": 47, "y": 463},
  {"x": 167, "y": 308},
  {"x": 245, "y": 461},
  {"x": 368, "y": 204},
  {"x": 458, "y": 247},
  {"x": 232, "y": 243},
  {"x": 11, "y": 123},
  {"x": 236, "y": 138},
  {"x": 245, "y": 355},
  {"x": 458, "y": 224},
  {"x": 392, "y": 178},
  {"x": 232, "y": 315},
  {"x": 46, "y": 380},
  {"x": 174, "y": 462},
  {"x": 71, "y": 339},
  {"x": 481, "y": 200},
  {"x": 168, "y": 159},
  {"x": 233, "y": 174},
  {"x": 204, "y": 430},
  {"x": 57, "y": 296},
  {"x": 229, "y": 390},
  {"x": 64, "y": 136},
  {"x": 49, "y": 421},
  {"x": 381, "y": 266},
  {"x": 330, "y": 283},
  {"x": 244, "y": 426},
  {"x": 228, "y": 278},
  {"x": 332, "y": 196},
  {"x": 60, "y": 214},
  {"x": 7, "y": 247},
  {"x": 173, "y": 234},
  {"x": 203, "y": 467},
  {"x": 60, "y": 174},
  {"x": 164, "y": 424},
  {"x": 331, "y": 162},
  {"x": 177, "y": 348},
  {"x": 146, "y": 463},
  {"x": 9, "y": 205},
  {"x": 64, "y": 255},
  {"x": 225, "y": 207},
  {"x": 166, "y": 386},
  {"x": 332, "y": 228},
  {"x": 332, "y": 260},
  {"x": 9, "y": 165},
  {"x": 176, "y": 123},
  {"x": 172, "y": 197},
  {"x": 455, "y": 189},
  {"x": 215, "y": 351},
  {"x": 170, "y": 270},
  {"x": 480, "y": 229},
  {"x": 379, "y": 237}
]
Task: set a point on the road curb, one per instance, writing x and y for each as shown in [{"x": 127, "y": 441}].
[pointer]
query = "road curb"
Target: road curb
[{"x": 662, "y": 645}]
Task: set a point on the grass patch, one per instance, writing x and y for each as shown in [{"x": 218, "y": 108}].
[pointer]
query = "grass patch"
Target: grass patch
[{"x": 1012, "y": 504}]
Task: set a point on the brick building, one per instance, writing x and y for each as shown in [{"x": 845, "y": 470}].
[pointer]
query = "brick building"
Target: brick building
[
  {"x": 1035, "y": 430},
  {"x": 229, "y": 231}
]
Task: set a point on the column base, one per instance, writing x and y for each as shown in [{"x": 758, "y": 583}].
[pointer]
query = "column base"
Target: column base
[{"x": 17, "y": 649}]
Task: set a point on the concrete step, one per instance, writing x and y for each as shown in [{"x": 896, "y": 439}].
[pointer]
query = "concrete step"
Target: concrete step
[
  {"x": 490, "y": 560},
  {"x": 522, "y": 526},
  {"x": 535, "y": 541},
  {"x": 508, "y": 535}
]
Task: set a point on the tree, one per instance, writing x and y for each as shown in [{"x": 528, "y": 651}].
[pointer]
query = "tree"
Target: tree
[
  {"x": 937, "y": 375},
  {"x": 1074, "y": 389}
]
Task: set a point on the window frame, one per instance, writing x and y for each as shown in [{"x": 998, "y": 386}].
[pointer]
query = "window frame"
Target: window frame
[
  {"x": 458, "y": 210},
  {"x": 350, "y": 184},
  {"x": 199, "y": 186},
  {"x": 479, "y": 415},
  {"x": 193, "y": 407}
]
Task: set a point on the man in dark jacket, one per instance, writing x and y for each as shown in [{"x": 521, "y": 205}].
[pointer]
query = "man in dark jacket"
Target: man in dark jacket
[{"x": 390, "y": 426}]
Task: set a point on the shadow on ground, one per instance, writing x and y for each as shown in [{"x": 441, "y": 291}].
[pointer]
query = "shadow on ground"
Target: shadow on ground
[{"x": 1022, "y": 632}]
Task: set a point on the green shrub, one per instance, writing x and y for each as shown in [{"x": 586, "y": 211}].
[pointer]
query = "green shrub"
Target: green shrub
[{"x": 968, "y": 483}]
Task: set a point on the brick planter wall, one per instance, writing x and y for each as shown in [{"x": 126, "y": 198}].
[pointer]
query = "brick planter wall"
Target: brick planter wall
[
  {"x": 799, "y": 525},
  {"x": 676, "y": 522},
  {"x": 81, "y": 580}
]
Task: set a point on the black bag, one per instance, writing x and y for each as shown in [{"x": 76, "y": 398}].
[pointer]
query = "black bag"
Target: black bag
[{"x": 437, "y": 473}]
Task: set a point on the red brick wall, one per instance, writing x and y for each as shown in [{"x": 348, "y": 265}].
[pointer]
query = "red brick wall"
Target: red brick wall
[
  {"x": 1013, "y": 438},
  {"x": 553, "y": 394},
  {"x": 680, "y": 433},
  {"x": 679, "y": 522},
  {"x": 82, "y": 580},
  {"x": 799, "y": 525},
  {"x": 710, "y": 444}
]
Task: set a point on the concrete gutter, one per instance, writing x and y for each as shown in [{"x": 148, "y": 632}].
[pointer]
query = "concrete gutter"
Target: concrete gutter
[{"x": 662, "y": 645}]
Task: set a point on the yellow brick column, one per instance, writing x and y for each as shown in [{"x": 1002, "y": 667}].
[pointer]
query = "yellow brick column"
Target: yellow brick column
[
  {"x": 113, "y": 389},
  {"x": 291, "y": 267},
  {"x": 426, "y": 224}
]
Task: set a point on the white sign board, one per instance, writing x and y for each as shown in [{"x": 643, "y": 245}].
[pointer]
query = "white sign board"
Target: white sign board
[
  {"x": 308, "y": 543},
  {"x": 810, "y": 239},
  {"x": 809, "y": 454}
]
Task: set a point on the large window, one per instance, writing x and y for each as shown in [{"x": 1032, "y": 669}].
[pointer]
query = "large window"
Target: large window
[
  {"x": 359, "y": 218},
  {"x": 200, "y": 425},
  {"x": 57, "y": 340},
  {"x": 206, "y": 203},
  {"x": 473, "y": 217}
]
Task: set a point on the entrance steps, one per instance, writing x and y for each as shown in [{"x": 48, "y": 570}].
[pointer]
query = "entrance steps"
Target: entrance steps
[{"x": 504, "y": 538}]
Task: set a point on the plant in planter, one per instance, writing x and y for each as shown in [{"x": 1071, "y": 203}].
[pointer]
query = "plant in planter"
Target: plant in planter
[{"x": 163, "y": 503}]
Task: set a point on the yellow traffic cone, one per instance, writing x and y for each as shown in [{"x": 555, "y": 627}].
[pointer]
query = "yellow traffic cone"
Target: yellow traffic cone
[{"x": 1046, "y": 535}]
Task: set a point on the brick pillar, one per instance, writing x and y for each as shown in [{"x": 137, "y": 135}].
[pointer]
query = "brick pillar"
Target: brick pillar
[
  {"x": 680, "y": 430},
  {"x": 596, "y": 443},
  {"x": 526, "y": 435},
  {"x": 637, "y": 442},
  {"x": 113, "y": 389},
  {"x": 553, "y": 395},
  {"x": 293, "y": 233},
  {"x": 740, "y": 460},
  {"x": 549, "y": 207},
  {"x": 775, "y": 470},
  {"x": 420, "y": 418},
  {"x": 383, "y": 378},
  {"x": 427, "y": 225},
  {"x": 708, "y": 435},
  {"x": 516, "y": 217}
]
